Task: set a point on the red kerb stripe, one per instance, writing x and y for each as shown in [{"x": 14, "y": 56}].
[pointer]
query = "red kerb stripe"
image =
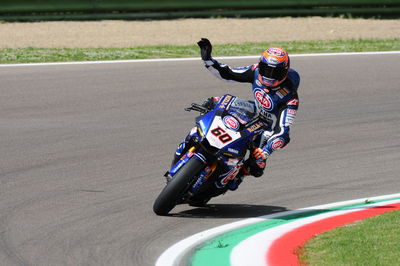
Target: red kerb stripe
[{"x": 283, "y": 250}]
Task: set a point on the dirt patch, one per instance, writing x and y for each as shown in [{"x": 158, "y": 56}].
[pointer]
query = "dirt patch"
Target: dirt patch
[{"x": 188, "y": 31}]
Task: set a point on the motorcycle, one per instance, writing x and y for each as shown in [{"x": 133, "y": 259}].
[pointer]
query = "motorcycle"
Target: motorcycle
[{"x": 213, "y": 156}]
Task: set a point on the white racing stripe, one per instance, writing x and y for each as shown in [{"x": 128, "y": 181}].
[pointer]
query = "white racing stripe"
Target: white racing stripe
[
  {"x": 173, "y": 255},
  {"x": 186, "y": 59}
]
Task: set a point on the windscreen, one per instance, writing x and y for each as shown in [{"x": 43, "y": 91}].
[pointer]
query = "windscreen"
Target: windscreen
[{"x": 244, "y": 111}]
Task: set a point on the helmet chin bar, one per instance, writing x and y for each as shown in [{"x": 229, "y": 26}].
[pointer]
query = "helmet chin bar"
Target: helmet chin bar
[{"x": 269, "y": 82}]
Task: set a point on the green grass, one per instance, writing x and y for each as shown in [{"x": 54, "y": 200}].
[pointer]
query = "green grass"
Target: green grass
[
  {"x": 373, "y": 241},
  {"x": 33, "y": 55}
]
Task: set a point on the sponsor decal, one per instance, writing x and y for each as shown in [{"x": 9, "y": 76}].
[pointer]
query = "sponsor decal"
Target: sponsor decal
[
  {"x": 277, "y": 143},
  {"x": 233, "y": 150},
  {"x": 267, "y": 115},
  {"x": 276, "y": 51},
  {"x": 293, "y": 102},
  {"x": 264, "y": 99},
  {"x": 269, "y": 118},
  {"x": 232, "y": 162},
  {"x": 258, "y": 83},
  {"x": 282, "y": 92},
  {"x": 225, "y": 101},
  {"x": 193, "y": 131},
  {"x": 188, "y": 154},
  {"x": 289, "y": 120},
  {"x": 272, "y": 60},
  {"x": 231, "y": 175},
  {"x": 243, "y": 122},
  {"x": 231, "y": 122},
  {"x": 255, "y": 127},
  {"x": 292, "y": 111}
]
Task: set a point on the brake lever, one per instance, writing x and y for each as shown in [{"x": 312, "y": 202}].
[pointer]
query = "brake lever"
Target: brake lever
[{"x": 197, "y": 107}]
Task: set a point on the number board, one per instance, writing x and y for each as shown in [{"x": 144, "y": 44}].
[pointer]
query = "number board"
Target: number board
[{"x": 219, "y": 135}]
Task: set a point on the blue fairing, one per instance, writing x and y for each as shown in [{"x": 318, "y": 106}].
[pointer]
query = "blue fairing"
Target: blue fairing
[
  {"x": 224, "y": 134},
  {"x": 240, "y": 113},
  {"x": 205, "y": 121},
  {"x": 237, "y": 148}
]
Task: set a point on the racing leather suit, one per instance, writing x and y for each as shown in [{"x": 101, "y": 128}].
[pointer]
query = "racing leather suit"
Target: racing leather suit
[{"x": 277, "y": 106}]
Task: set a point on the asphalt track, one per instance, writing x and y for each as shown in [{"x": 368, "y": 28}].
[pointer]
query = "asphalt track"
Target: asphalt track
[{"x": 83, "y": 149}]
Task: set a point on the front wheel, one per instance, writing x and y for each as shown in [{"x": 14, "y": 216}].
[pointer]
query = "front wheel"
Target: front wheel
[{"x": 174, "y": 190}]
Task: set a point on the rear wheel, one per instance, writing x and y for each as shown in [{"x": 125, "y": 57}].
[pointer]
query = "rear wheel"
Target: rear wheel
[{"x": 173, "y": 191}]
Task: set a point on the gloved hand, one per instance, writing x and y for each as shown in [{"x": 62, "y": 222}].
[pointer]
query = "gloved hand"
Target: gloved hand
[
  {"x": 260, "y": 157},
  {"x": 205, "y": 49},
  {"x": 255, "y": 165},
  {"x": 210, "y": 102}
]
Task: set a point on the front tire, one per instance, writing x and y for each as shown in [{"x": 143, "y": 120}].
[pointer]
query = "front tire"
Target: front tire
[{"x": 174, "y": 190}]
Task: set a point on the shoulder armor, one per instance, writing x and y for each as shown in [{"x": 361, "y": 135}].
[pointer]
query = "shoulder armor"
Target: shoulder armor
[{"x": 293, "y": 79}]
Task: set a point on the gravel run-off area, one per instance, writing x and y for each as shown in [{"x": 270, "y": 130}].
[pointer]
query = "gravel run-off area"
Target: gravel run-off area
[{"x": 118, "y": 34}]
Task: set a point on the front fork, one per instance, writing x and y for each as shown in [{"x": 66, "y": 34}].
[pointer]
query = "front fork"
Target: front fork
[
  {"x": 204, "y": 176},
  {"x": 180, "y": 161}
]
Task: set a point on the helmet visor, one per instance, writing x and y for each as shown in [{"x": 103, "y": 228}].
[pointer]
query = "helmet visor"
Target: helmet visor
[{"x": 272, "y": 72}]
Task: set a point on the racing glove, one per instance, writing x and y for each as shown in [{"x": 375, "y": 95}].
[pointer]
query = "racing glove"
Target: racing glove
[
  {"x": 210, "y": 102},
  {"x": 255, "y": 164},
  {"x": 205, "y": 49},
  {"x": 260, "y": 157}
]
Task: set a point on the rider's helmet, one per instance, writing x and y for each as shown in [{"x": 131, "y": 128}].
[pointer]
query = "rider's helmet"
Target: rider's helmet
[{"x": 274, "y": 66}]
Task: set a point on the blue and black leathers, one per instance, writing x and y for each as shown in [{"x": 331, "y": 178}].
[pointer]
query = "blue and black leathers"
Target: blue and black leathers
[{"x": 276, "y": 105}]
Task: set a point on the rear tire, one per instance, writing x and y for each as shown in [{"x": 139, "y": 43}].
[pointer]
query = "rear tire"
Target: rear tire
[{"x": 174, "y": 190}]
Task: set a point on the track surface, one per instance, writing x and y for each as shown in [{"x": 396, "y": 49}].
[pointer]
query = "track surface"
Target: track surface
[{"x": 83, "y": 149}]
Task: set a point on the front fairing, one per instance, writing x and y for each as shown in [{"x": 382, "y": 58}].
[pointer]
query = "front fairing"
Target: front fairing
[{"x": 229, "y": 127}]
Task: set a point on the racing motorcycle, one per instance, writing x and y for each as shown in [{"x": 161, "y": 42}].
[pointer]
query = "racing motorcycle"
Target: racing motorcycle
[{"x": 214, "y": 155}]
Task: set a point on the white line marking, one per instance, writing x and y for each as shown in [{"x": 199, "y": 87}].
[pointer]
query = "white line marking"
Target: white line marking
[
  {"x": 185, "y": 59},
  {"x": 173, "y": 255}
]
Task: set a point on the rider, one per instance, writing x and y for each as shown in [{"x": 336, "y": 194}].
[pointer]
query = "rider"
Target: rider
[{"x": 274, "y": 87}]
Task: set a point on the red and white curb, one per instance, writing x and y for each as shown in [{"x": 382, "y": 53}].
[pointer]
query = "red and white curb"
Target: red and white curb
[{"x": 277, "y": 245}]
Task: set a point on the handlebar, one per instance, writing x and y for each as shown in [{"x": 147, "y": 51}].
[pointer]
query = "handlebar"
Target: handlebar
[{"x": 198, "y": 108}]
